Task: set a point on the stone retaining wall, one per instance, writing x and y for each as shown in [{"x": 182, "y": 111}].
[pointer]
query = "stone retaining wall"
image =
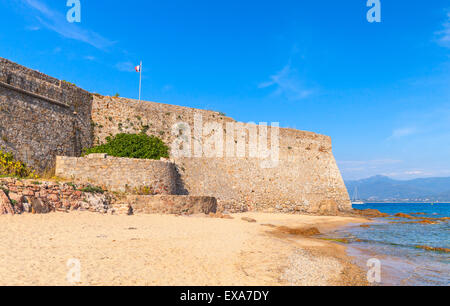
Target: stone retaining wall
[
  {"x": 120, "y": 174},
  {"x": 170, "y": 204},
  {"x": 40, "y": 197},
  {"x": 30, "y": 196}
]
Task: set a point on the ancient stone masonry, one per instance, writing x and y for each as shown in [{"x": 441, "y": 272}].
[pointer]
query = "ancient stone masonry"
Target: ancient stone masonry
[
  {"x": 120, "y": 174},
  {"x": 40, "y": 197},
  {"x": 41, "y": 117},
  {"x": 28, "y": 196},
  {"x": 170, "y": 204},
  {"x": 119, "y": 115},
  {"x": 306, "y": 178}
]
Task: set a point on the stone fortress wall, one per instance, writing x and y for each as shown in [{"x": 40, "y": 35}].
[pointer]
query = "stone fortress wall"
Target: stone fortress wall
[
  {"x": 42, "y": 117},
  {"x": 306, "y": 178}
]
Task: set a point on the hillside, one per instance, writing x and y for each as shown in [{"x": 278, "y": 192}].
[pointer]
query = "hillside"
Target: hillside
[{"x": 384, "y": 189}]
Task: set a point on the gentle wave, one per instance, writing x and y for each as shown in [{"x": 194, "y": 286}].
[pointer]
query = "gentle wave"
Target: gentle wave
[{"x": 397, "y": 244}]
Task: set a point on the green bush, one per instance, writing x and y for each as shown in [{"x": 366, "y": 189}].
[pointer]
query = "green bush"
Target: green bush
[
  {"x": 92, "y": 189},
  {"x": 132, "y": 146}
]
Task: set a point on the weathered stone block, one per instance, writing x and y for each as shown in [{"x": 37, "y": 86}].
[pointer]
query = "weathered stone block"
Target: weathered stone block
[
  {"x": 97, "y": 156},
  {"x": 171, "y": 204},
  {"x": 5, "y": 204}
]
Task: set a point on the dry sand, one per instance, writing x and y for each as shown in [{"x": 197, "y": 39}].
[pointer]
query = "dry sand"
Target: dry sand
[{"x": 171, "y": 250}]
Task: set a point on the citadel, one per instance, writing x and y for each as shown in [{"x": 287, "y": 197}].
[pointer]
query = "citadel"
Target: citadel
[{"x": 46, "y": 123}]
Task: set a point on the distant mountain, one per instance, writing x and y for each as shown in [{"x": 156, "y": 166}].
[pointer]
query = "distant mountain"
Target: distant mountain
[{"x": 384, "y": 189}]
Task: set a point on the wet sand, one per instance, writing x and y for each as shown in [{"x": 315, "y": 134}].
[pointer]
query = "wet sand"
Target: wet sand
[{"x": 172, "y": 250}]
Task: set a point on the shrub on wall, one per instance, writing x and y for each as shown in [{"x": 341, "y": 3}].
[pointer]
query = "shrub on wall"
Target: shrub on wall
[
  {"x": 12, "y": 167},
  {"x": 139, "y": 146}
]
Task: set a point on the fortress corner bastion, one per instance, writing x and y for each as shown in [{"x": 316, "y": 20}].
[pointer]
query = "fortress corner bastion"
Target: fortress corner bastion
[
  {"x": 305, "y": 177},
  {"x": 41, "y": 117}
]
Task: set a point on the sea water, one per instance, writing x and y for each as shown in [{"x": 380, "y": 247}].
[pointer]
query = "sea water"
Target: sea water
[{"x": 394, "y": 244}]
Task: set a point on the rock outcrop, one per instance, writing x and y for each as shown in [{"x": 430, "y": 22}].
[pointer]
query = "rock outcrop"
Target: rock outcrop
[
  {"x": 5, "y": 204},
  {"x": 40, "y": 197}
]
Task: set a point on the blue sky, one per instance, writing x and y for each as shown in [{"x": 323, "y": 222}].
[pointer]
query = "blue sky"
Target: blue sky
[{"x": 380, "y": 90}]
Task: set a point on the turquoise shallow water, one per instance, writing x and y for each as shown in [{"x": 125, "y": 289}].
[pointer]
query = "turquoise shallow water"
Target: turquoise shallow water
[{"x": 394, "y": 244}]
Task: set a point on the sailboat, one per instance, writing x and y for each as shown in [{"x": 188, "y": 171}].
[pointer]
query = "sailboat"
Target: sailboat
[{"x": 355, "y": 200}]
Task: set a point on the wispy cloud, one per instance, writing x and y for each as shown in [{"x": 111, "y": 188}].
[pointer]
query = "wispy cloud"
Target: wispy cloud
[
  {"x": 56, "y": 21},
  {"x": 125, "y": 66},
  {"x": 355, "y": 169},
  {"x": 443, "y": 36},
  {"x": 33, "y": 28},
  {"x": 403, "y": 132},
  {"x": 427, "y": 124},
  {"x": 415, "y": 172},
  {"x": 288, "y": 84}
]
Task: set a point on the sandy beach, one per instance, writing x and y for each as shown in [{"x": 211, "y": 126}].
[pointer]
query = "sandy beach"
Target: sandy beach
[{"x": 173, "y": 250}]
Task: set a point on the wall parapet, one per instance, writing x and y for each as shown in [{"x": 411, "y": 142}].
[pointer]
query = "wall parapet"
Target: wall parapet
[
  {"x": 41, "y": 117},
  {"x": 20, "y": 90},
  {"x": 39, "y": 85}
]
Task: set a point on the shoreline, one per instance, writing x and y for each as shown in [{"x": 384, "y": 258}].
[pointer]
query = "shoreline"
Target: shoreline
[
  {"x": 174, "y": 250},
  {"x": 409, "y": 244}
]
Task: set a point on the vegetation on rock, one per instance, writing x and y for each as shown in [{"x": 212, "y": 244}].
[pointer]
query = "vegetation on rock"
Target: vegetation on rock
[
  {"x": 145, "y": 190},
  {"x": 9, "y": 166},
  {"x": 139, "y": 146},
  {"x": 92, "y": 189}
]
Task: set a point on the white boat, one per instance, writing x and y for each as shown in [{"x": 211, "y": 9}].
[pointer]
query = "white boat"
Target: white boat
[{"x": 355, "y": 200}]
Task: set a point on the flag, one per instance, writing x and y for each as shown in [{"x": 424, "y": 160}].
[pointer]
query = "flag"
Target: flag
[{"x": 139, "y": 69}]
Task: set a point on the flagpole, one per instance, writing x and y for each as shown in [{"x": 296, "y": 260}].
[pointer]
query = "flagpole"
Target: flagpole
[{"x": 140, "y": 81}]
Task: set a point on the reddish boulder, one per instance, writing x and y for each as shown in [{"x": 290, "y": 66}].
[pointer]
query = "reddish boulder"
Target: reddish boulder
[
  {"x": 16, "y": 197},
  {"x": 53, "y": 197},
  {"x": 28, "y": 192},
  {"x": 5, "y": 204},
  {"x": 371, "y": 213},
  {"x": 302, "y": 231},
  {"x": 402, "y": 215},
  {"x": 427, "y": 222},
  {"x": 17, "y": 202},
  {"x": 428, "y": 248}
]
